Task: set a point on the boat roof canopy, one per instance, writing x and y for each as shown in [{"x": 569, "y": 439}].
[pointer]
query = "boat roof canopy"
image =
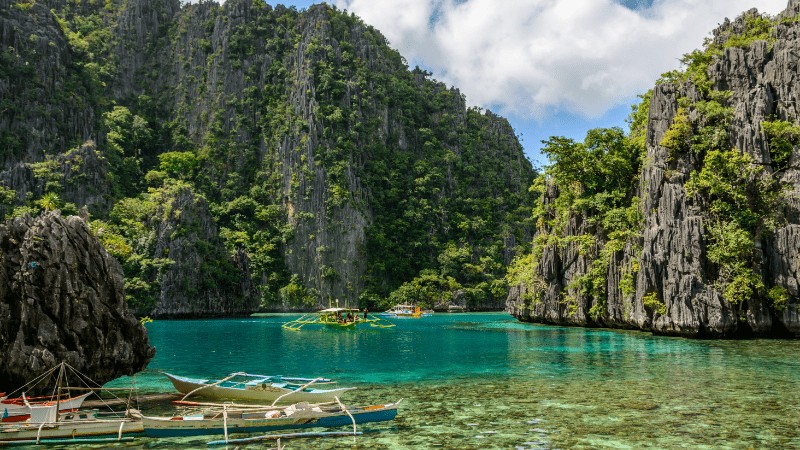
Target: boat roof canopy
[{"x": 333, "y": 310}]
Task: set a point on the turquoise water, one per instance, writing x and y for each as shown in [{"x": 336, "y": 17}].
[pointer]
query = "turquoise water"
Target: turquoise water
[{"x": 487, "y": 381}]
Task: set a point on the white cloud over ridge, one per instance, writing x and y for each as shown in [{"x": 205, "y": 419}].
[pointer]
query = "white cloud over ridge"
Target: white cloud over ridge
[{"x": 535, "y": 57}]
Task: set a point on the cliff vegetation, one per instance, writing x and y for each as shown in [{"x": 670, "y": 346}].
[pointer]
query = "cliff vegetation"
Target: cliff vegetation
[{"x": 240, "y": 157}]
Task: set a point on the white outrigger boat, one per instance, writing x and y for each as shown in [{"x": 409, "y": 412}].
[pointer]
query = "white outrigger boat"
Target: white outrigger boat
[
  {"x": 58, "y": 420},
  {"x": 401, "y": 310},
  {"x": 46, "y": 426},
  {"x": 18, "y": 409},
  {"x": 260, "y": 388},
  {"x": 16, "y": 406}
]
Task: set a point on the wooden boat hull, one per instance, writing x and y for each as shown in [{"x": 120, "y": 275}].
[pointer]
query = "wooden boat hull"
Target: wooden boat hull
[
  {"x": 264, "y": 393},
  {"x": 12, "y": 410},
  {"x": 64, "y": 430},
  {"x": 169, "y": 427}
]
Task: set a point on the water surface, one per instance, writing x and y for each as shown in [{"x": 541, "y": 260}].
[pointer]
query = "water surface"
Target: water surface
[{"x": 487, "y": 381}]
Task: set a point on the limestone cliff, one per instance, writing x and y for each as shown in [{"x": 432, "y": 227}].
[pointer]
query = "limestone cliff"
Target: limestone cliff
[
  {"x": 62, "y": 299},
  {"x": 320, "y": 167},
  {"x": 46, "y": 104},
  {"x": 675, "y": 286},
  {"x": 186, "y": 233}
]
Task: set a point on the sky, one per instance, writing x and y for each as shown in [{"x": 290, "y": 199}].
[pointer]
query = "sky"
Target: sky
[{"x": 552, "y": 67}]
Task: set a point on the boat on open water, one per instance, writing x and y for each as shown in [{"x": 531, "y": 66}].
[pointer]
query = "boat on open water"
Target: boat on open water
[
  {"x": 341, "y": 318},
  {"x": 401, "y": 310}
]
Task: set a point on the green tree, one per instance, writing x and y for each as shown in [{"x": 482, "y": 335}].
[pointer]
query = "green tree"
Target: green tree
[{"x": 49, "y": 201}]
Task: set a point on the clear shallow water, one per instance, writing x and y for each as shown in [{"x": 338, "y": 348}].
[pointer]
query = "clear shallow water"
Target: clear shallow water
[{"x": 488, "y": 381}]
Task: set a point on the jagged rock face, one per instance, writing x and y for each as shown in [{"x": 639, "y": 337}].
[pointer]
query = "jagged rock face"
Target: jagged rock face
[
  {"x": 37, "y": 69},
  {"x": 672, "y": 259},
  {"x": 672, "y": 248},
  {"x": 203, "y": 280},
  {"x": 86, "y": 178},
  {"x": 328, "y": 240},
  {"x": 140, "y": 28},
  {"x": 62, "y": 299}
]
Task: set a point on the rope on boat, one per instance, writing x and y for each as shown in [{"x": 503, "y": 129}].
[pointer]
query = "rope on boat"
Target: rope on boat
[
  {"x": 344, "y": 408},
  {"x": 213, "y": 384},
  {"x": 300, "y": 389},
  {"x": 33, "y": 382},
  {"x": 130, "y": 398},
  {"x": 83, "y": 378}
]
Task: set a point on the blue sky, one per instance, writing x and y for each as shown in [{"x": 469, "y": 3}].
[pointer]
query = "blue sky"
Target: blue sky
[{"x": 552, "y": 67}]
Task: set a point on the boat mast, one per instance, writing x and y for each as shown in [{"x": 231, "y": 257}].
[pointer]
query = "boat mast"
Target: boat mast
[{"x": 58, "y": 388}]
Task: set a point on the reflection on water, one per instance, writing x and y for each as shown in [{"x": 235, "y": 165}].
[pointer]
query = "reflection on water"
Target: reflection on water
[{"x": 487, "y": 381}]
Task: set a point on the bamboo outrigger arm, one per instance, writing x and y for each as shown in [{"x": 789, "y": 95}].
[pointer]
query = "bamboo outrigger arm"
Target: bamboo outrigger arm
[
  {"x": 300, "y": 389},
  {"x": 214, "y": 384}
]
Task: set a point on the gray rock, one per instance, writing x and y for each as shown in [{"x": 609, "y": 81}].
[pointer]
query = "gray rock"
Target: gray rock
[
  {"x": 203, "y": 279},
  {"x": 62, "y": 299}
]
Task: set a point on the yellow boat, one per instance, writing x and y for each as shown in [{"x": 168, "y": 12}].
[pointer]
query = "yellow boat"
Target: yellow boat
[{"x": 344, "y": 318}]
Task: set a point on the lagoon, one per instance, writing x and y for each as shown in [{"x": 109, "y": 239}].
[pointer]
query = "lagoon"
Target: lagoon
[{"x": 479, "y": 380}]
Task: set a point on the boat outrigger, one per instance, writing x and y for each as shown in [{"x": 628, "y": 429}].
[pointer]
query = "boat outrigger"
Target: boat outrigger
[
  {"x": 263, "y": 388},
  {"x": 47, "y": 426},
  {"x": 345, "y": 318},
  {"x": 219, "y": 419}
]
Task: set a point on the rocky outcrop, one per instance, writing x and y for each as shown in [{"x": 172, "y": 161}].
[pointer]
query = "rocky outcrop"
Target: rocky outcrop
[
  {"x": 62, "y": 299},
  {"x": 670, "y": 253},
  {"x": 81, "y": 176},
  {"x": 202, "y": 280}
]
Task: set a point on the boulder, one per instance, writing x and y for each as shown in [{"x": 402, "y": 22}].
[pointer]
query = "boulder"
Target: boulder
[{"x": 62, "y": 299}]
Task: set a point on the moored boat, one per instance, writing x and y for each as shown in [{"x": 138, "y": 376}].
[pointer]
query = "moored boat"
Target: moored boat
[
  {"x": 57, "y": 419},
  {"x": 45, "y": 423},
  {"x": 18, "y": 409},
  {"x": 261, "y": 388},
  {"x": 224, "y": 420}
]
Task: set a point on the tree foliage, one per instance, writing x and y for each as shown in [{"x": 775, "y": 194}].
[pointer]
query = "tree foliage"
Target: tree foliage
[{"x": 595, "y": 180}]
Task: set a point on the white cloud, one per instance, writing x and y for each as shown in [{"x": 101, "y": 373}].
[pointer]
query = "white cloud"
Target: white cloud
[{"x": 532, "y": 57}]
